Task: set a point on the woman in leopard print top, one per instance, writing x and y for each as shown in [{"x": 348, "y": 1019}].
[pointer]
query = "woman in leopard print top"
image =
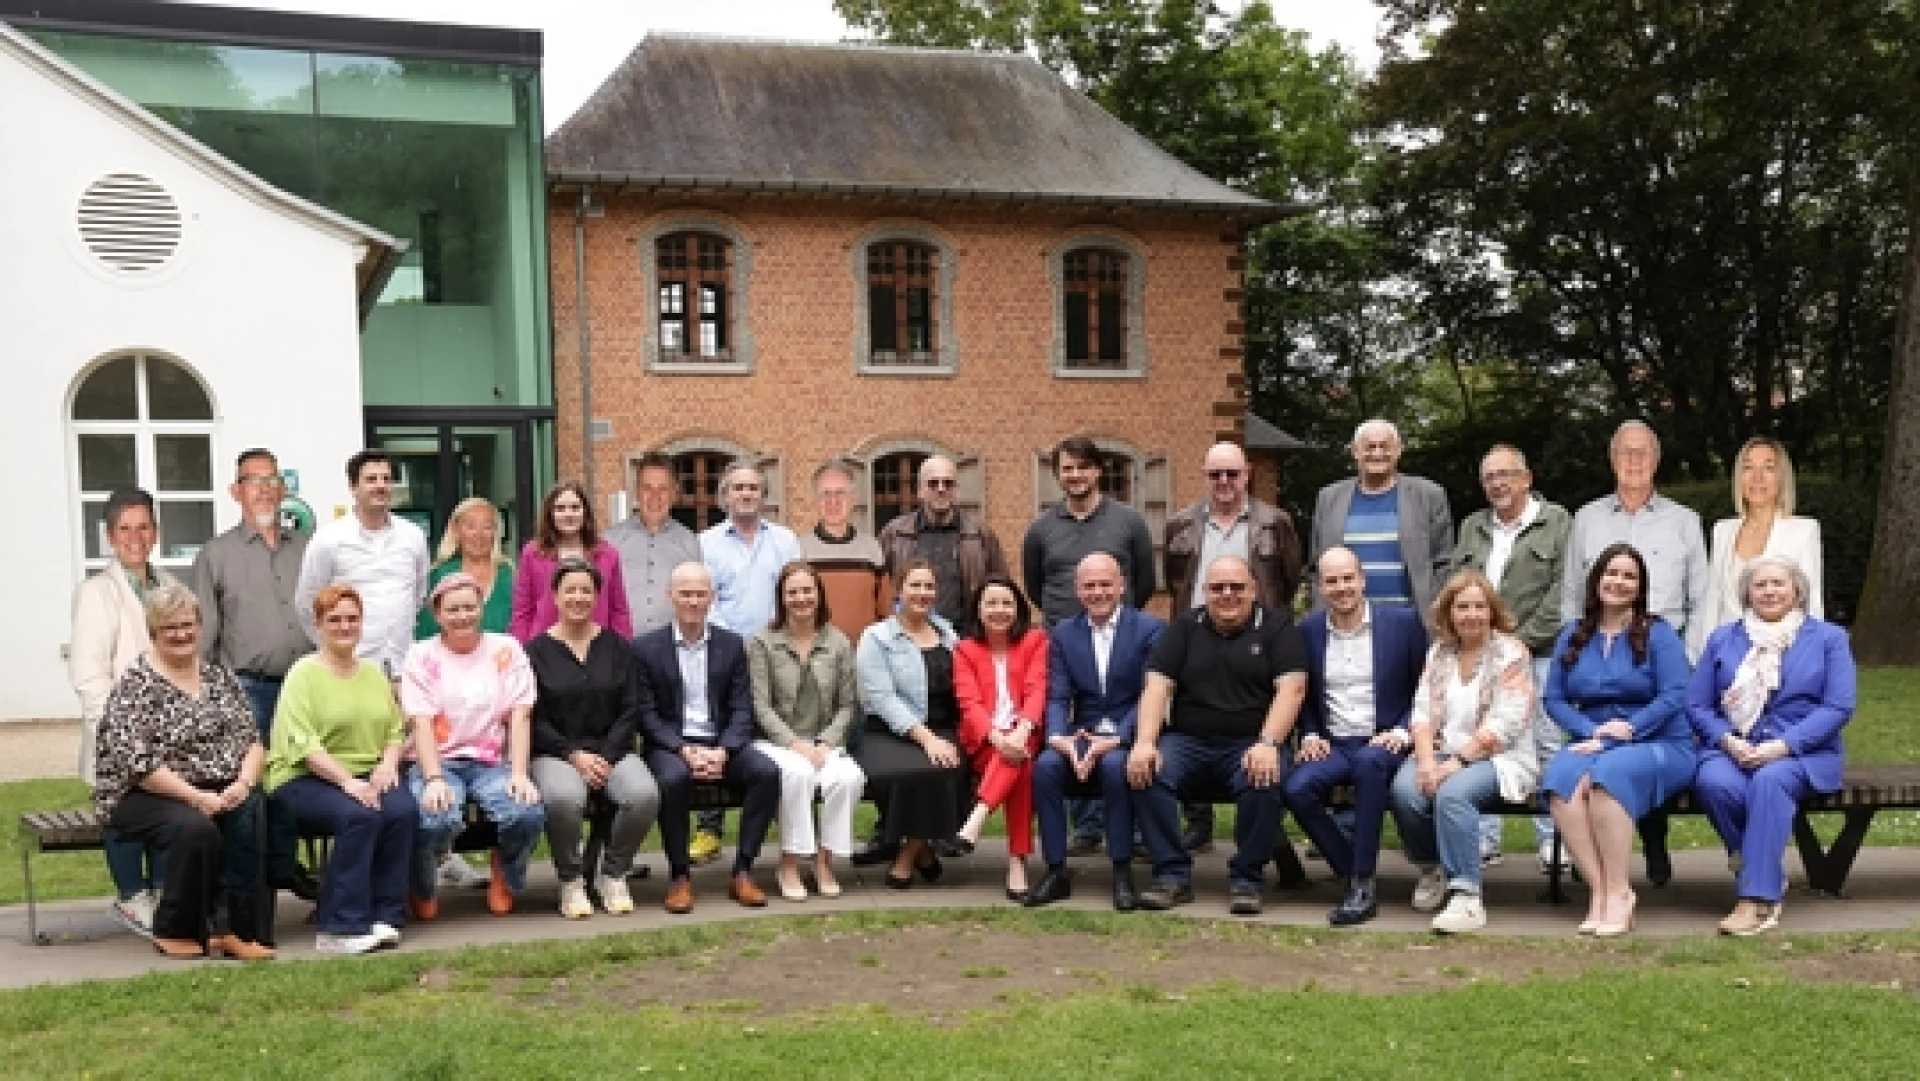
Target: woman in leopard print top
[{"x": 178, "y": 762}]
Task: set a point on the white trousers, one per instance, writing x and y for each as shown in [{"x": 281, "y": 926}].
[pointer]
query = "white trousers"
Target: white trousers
[{"x": 839, "y": 783}]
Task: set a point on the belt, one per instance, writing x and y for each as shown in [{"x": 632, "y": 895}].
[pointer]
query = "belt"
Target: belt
[{"x": 262, "y": 677}]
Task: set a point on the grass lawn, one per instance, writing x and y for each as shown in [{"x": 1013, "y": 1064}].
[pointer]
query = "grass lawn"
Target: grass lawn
[
  {"x": 1480, "y": 1007},
  {"x": 1885, "y": 730}
]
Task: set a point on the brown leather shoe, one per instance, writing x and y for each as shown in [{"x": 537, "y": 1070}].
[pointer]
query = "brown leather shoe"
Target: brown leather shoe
[
  {"x": 240, "y": 949},
  {"x": 743, "y": 891},
  {"x": 423, "y": 909},
  {"x": 680, "y": 896},
  {"x": 499, "y": 897},
  {"x": 179, "y": 949}
]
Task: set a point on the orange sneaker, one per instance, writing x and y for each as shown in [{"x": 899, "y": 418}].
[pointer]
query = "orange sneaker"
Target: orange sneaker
[
  {"x": 423, "y": 909},
  {"x": 499, "y": 897}
]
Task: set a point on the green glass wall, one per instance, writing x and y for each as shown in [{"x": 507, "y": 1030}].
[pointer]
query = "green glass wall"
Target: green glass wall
[{"x": 444, "y": 154}]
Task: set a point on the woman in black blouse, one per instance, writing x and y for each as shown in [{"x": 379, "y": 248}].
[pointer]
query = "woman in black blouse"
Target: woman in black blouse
[
  {"x": 585, "y": 718},
  {"x": 177, "y": 765}
]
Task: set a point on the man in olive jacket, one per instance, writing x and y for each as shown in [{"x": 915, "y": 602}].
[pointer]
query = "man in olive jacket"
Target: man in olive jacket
[{"x": 1520, "y": 543}]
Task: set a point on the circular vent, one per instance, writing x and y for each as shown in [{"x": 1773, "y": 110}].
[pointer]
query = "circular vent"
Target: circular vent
[{"x": 130, "y": 223}]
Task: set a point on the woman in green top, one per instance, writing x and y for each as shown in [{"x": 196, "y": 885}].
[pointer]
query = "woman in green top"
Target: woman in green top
[
  {"x": 472, "y": 544},
  {"x": 335, "y": 769}
]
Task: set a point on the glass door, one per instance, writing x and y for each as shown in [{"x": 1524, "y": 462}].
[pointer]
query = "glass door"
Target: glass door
[{"x": 444, "y": 456}]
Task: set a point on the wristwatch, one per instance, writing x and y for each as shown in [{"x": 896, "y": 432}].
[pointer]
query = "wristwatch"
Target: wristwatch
[{"x": 1268, "y": 741}]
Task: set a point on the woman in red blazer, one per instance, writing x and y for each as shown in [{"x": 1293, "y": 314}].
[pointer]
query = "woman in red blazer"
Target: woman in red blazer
[{"x": 1000, "y": 681}]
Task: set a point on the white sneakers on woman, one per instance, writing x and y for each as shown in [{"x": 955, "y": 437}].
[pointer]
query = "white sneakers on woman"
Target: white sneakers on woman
[
  {"x": 1463, "y": 913},
  {"x": 574, "y": 904},
  {"x": 1431, "y": 890},
  {"x": 613, "y": 895}
]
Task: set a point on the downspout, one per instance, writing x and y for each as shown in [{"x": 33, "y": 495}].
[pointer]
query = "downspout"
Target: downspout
[{"x": 586, "y": 338}]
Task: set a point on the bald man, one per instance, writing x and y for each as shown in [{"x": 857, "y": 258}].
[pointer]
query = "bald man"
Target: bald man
[{"x": 695, "y": 700}]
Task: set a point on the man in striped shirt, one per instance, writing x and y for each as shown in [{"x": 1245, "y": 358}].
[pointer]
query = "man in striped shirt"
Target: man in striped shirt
[{"x": 1400, "y": 525}]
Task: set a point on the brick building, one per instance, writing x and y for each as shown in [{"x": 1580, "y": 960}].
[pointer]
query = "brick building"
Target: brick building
[{"x": 797, "y": 253}]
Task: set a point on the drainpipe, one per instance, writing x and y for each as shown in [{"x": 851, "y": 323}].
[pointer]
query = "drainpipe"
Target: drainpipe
[{"x": 586, "y": 337}]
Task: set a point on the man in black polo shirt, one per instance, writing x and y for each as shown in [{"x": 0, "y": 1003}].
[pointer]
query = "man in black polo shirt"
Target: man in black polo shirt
[{"x": 1235, "y": 675}]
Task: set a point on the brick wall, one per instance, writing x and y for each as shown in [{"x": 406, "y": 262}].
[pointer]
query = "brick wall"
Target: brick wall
[{"x": 804, "y": 402}]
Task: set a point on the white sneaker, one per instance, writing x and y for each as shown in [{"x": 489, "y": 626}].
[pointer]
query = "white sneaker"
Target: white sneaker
[
  {"x": 1490, "y": 857},
  {"x": 350, "y": 945},
  {"x": 1546, "y": 857},
  {"x": 136, "y": 913},
  {"x": 613, "y": 895},
  {"x": 1463, "y": 913},
  {"x": 387, "y": 933},
  {"x": 458, "y": 873},
  {"x": 573, "y": 900},
  {"x": 1431, "y": 890}
]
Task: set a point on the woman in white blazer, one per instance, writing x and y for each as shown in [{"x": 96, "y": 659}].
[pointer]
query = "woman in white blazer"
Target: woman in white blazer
[
  {"x": 1763, "y": 500},
  {"x": 109, "y": 634}
]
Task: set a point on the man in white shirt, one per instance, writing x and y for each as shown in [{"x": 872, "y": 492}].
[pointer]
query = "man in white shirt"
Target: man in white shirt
[{"x": 378, "y": 553}]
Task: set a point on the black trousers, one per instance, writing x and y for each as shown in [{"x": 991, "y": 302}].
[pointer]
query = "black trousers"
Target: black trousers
[
  {"x": 213, "y": 864},
  {"x": 753, "y": 779}
]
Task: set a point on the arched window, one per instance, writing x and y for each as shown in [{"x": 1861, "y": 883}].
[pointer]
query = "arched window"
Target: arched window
[
  {"x": 905, "y": 275},
  {"x": 1099, "y": 307},
  {"x": 145, "y": 421},
  {"x": 695, "y": 274},
  {"x": 696, "y": 497},
  {"x": 1127, "y": 474}
]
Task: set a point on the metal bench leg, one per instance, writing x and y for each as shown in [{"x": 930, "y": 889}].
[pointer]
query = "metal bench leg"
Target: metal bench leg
[
  {"x": 1287, "y": 872},
  {"x": 1556, "y": 871},
  {"x": 33, "y": 911},
  {"x": 1827, "y": 869}
]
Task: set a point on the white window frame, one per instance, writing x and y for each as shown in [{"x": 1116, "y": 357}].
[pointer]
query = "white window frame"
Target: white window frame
[
  {"x": 741, "y": 354},
  {"x": 145, "y": 456}
]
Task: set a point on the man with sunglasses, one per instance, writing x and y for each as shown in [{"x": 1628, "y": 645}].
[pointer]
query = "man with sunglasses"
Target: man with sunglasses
[
  {"x": 1228, "y": 522},
  {"x": 961, "y": 548}
]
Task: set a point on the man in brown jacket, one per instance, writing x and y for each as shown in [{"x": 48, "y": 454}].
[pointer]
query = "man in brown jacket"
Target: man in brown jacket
[
  {"x": 1228, "y": 522},
  {"x": 961, "y": 548}
]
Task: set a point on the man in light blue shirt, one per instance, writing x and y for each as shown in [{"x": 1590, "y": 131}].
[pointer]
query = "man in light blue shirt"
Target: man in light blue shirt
[{"x": 744, "y": 554}]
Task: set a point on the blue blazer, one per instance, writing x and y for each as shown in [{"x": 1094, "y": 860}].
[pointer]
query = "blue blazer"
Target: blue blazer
[
  {"x": 1815, "y": 699},
  {"x": 661, "y": 697},
  {"x": 1399, "y": 654},
  {"x": 1075, "y": 700}
]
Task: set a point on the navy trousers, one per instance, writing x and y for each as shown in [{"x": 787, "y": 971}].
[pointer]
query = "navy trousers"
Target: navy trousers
[
  {"x": 1188, "y": 764},
  {"x": 1053, "y": 778},
  {"x": 366, "y": 879},
  {"x": 1370, "y": 770},
  {"x": 751, "y": 775}
]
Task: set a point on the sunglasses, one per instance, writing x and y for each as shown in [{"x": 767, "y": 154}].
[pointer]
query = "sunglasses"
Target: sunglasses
[
  {"x": 1223, "y": 474},
  {"x": 941, "y": 482},
  {"x": 1231, "y": 589}
]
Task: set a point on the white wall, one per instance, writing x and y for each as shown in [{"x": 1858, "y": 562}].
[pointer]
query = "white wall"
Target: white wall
[{"x": 259, "y": 304}]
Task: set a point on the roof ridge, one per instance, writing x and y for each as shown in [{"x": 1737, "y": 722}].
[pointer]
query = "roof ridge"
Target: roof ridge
[{"x": 707, "y": 37}]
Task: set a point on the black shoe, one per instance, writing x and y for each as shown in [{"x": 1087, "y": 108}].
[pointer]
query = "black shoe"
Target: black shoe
[
  {"x": 1358, "y": 907},
  {"x": 1125, "y": 897},
  {"x": 1313, "y": 851},
  {"x": 960, "y": 846},
  {"x": 932, "y": 869},
  {"x": 1053, "y": 886},
  {"x": 899, "y": 883},
  {"x": 1165, "y": 894},
  {"x": 1197, "y": 840},
  {"x": 874, "y": 852},
  {"x": 1659, "y": 867},
  {"x": 301, "y": 883},
  {"x": 948, "y": 847},
  {"x": 1245, "y": 901},
  {"x": 1083, "y": 845},
  {"x": 1141, "y": 853},
  {"x": 639, "y": 871}
]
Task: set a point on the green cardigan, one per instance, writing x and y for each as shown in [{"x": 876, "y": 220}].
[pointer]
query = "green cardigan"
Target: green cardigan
[{"x": 494, "y": 615}]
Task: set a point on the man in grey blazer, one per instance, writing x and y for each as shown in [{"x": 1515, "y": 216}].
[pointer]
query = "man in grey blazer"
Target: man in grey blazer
[{"x": 1400, "y": 525}]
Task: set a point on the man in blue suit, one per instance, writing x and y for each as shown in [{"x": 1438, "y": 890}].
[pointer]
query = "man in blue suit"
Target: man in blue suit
[
  {"x": 1363, "y": 666},
  {"x": 1096, "y": 668},
  {"x": 696, "y": 708}
]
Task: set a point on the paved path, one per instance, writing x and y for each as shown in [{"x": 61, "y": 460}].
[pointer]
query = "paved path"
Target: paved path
[
  {"x": 35, "y": 749},
  {"x": 1883, "y": 895}
]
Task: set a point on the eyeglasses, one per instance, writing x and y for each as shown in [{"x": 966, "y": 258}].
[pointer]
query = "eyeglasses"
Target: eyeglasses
[
  {"x": 1230, "y": 589},
  {"x": 189, "y": 627},
  {"x": 1223, "y": 474},
  {"x": 1493, "y": 475},
  {"x": 941, "y": 482},
  {"x": 260, "y": 480}
]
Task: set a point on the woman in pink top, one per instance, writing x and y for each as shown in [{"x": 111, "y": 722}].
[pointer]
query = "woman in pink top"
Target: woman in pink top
[
  {"x": 566, "y": 528},
  {"x": 469, "y": 695}
]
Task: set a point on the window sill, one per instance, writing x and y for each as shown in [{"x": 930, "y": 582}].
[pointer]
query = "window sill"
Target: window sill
[
  {"x": 698, "y": 367},
  {"x": 1061, "y": 371},
  {"x": 931, "y": 371}
]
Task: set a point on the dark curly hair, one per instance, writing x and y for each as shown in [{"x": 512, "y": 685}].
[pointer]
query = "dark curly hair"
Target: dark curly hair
[{"x": 1638, "y": 628}]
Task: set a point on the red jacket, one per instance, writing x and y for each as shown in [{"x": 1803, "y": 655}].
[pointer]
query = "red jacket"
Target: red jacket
[{"x": 976, "y": 690}]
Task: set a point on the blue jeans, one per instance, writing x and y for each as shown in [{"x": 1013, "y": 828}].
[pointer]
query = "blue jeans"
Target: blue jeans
[
  {"x": 1188, "y": 764},
  {"x": 366, "y": 876},
  {"x": 264, "y": 696},
  {"x": 133, "y": 865},
  {"x": 518, "y": 824},
  {"x": 1445, "y": 828}
]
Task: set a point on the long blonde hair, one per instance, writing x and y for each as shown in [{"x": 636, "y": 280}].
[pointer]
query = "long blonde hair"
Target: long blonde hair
[
  {"x": 450, "y": 540},
  {"x": 1788, "y": 494}
]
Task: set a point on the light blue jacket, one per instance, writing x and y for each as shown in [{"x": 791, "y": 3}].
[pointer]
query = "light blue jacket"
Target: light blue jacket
[{"x": 893, "y": 678}]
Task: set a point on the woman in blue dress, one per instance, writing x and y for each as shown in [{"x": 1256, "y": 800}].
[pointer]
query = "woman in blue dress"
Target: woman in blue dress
[{"x": 1618, "y": 685}]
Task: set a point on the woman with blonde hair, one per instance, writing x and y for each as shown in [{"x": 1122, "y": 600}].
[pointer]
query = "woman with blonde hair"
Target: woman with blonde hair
[
  {"x": 472, "y": 545},
  {"x": 1473, "y": 747},
  {"x": 1764, "y": 524}
]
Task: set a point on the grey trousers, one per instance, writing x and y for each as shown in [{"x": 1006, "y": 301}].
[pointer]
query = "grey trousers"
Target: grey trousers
[{"x": 636, "y": 803}]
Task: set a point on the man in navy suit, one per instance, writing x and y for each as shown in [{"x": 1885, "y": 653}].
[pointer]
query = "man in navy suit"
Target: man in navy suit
[
  {"x": 1363, "y": 666},
  {"x": 1096, "y": 669},
  {"x": 696, "y": 709}
]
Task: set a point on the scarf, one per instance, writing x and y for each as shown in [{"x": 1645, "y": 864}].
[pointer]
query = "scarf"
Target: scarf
[{"x": 1758, "y": 676}]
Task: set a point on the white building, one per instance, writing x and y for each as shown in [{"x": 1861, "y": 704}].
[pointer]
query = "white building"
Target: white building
[{"x": 163, "y": 310}]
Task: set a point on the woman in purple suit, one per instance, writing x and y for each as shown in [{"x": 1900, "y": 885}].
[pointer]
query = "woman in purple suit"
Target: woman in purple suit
[{"x": 1772, "y": 692}]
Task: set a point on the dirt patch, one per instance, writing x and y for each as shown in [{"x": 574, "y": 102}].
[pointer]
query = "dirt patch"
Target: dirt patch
[
  {"x": 941, "y": 971},
  {"x": 1897, "y": 970}
]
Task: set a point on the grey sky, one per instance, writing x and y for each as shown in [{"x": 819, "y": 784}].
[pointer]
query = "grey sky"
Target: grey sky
[{"x": 585, "y": 39}]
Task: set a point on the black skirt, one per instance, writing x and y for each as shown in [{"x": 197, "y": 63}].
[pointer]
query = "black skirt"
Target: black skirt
[{"x": 916, "y": 798}]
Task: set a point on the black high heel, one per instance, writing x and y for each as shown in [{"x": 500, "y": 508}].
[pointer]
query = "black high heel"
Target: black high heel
[
  {"x": 931, "y": 870},
  {"x": 899, "y": 883}
]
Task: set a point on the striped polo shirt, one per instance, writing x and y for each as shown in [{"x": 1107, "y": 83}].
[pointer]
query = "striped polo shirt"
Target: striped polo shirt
[{"x": 1373, "y": 532}]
